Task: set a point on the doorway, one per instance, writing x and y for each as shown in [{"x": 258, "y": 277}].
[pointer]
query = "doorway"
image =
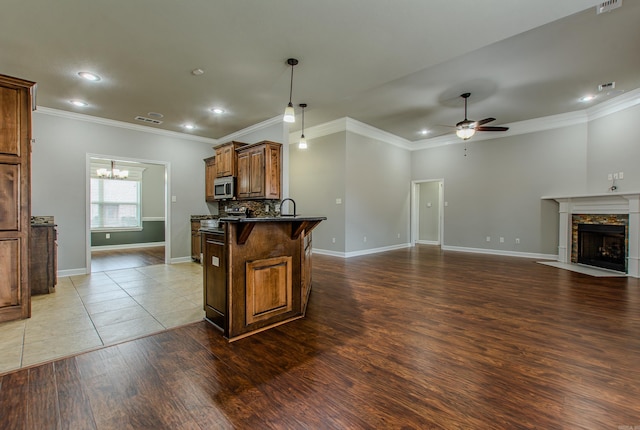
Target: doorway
[
  {"x": 427, "y": 212},
  {"x": 136, "y": 244}
]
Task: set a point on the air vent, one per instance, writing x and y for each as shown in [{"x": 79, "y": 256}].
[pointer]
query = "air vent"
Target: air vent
[
  {"x": 607, "y": 86},
  {"x": 608, "y": 6},
  {"x": 147, "y": 120}
]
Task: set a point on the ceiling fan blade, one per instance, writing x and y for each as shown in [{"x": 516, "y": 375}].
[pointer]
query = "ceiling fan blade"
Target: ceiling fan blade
[
  {"x": 492, "y": 128},
  {"x": 484, "y": 121}
]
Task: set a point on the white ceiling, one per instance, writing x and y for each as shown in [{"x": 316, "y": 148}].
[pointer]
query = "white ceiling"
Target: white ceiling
[{"x": 396, "y": 65}]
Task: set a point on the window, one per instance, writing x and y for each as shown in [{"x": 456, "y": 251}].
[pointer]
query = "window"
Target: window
[{"x": 115, "y": 204}]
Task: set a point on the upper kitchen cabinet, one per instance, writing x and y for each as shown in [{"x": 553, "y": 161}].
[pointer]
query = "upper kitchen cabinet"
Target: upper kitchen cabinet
[
  {"x": 210, "y": 173},
  {"x": 259, "y": 168},
  {"x": 226, "y": 159},
  {"x": 15, "y": 189}
]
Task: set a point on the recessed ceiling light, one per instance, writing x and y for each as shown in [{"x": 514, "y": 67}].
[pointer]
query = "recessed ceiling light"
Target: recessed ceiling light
[
  {"x": 424, "y": 132},
  {"x": 217, "y": 110},
  {"x": 587, "y": 98},
  {"x": 189, "y": 126},
  {"x": 155, "y": 115},
  {"x": 197, "y": 72},
  {"x": 78, "y": 103},
  {"x": 89, "y": 76}
]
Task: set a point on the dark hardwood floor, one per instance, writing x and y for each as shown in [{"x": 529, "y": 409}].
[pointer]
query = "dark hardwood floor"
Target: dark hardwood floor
[
  {"x": 126, "y": 258},
  {"x": 412, "y": 339}
]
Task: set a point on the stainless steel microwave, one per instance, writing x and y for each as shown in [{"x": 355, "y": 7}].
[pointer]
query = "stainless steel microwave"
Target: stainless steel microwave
[{"x": 224, "y": 188}]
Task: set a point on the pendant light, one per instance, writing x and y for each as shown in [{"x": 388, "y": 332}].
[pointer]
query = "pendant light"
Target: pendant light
[
  {"x": 303, "y": 140},
  {"x": 289, "y": 114}
]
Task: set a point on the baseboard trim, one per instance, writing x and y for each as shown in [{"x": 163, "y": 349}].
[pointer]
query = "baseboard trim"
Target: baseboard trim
[
  {"x": 361, "y": 252},
  {"x": 428, "y": 242},
  {"x": 501, "y": 252},
  {"x": 127, "y": 246},
  {"x": 72, "y": 272},
  {"x": 181, "y": 260}
]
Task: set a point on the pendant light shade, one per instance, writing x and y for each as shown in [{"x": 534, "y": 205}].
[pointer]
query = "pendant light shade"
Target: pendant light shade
[
  {"x": 303, "y": 140},
  {"x": 289, "y": 114}
]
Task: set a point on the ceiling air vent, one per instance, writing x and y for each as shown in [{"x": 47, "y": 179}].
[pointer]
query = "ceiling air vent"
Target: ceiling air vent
[
  {"x": 147, "y": 120},
  {"x": 607, "y": 6}
]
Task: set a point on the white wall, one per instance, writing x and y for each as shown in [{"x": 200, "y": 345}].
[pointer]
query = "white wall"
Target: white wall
[
  {"x": 378, "y": 190},
  {"x": 318, "y": 176},
  {"x": 59, "y": 176},
  {"x": 495, "y": 190},
  {"x": 153, "y": 203},
  {"x": 614, "y": 146},
  {"x": 428, "y": 211}
]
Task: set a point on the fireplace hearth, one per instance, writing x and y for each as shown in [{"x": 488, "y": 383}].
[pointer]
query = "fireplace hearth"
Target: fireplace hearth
[{"x": 602, "y": 245}]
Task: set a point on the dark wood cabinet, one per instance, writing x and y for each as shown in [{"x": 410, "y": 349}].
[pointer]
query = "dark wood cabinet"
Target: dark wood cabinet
[
  {"x": 259, "y": 170},
  {"x": 15, "y": 192},
  {"x": 215, "y": 280},
  {"x": 43, "y": 259},
  {"x": 226, "y": 159},
  {"x": 210, "y": 174},
  {"x": 196, "y": 241}
]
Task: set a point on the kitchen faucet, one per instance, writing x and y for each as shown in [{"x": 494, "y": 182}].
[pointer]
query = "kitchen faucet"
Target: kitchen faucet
[{"x": 294, "y": 207}]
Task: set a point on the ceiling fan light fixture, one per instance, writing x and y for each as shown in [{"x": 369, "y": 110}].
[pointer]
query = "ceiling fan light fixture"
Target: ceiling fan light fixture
[
  {"x": 289, "y": 113},
  {"x": 465, "y": 133}
]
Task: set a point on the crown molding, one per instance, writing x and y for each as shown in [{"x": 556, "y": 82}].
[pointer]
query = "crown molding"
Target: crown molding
[
  {"x": 121, "y": 124},
  {"x": 353, "y": 126},
  {"x": 251, "y": 129},
  {"x": 617, "y": 104},
  {"x": 622, "y": 102}
]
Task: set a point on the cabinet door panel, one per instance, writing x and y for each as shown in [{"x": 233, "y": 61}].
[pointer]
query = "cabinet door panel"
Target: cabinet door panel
[
  {"x": 269, "y": 288},
  {"x": 9, "y": 121},
  {"x": 257, "y": 174},
  {"x": 9, "y": 270},
  {"x": 9, "y": 197}
]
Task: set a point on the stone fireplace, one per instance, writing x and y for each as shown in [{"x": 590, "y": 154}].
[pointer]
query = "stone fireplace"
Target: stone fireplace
[{"x": 600, "y": 230}]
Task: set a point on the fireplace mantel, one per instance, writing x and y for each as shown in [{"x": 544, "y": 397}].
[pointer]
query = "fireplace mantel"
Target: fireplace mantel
[{"x": 609, "y": 203}]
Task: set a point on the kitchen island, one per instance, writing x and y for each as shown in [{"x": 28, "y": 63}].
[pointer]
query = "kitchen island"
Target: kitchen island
[{"x": 257, "y": 272}]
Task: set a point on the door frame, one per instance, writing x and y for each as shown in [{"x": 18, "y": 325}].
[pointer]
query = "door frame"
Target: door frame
[
  {"x": 167, "y": 202},
  {"x": 415, "y": 210}
]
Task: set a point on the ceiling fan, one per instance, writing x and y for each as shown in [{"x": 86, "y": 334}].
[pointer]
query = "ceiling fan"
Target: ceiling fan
[{"x": 467, "y": 128}]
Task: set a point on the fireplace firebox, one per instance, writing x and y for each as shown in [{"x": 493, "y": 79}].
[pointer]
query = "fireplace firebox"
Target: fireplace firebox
[{"x": 602, "y": 245}]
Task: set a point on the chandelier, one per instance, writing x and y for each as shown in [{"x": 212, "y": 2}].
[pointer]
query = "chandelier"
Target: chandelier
[{"x": 113, "y": 173}]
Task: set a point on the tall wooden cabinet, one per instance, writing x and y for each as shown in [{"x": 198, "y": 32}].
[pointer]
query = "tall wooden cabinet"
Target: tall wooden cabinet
[
  {"x": 209, "y": 178},
  {"x": 15, "y": 196},
  {"x": 259, "y": 167}
]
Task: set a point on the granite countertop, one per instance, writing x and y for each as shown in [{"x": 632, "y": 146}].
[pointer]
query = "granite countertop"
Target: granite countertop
[
  {"x": 200, "y": 217},
  {"x": 42, "y": 220},
  {"x": 274, "y": 219}
]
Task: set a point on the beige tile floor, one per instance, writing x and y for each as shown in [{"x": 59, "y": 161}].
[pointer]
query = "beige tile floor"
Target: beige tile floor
[{"x": 90, "y": 311}]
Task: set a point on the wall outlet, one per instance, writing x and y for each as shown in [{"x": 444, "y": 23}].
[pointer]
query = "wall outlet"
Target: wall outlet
[
  {"x": 174, "y": 199},
  {"x": 517, "y": 240},
  {"x": 266, "y": 207},
  {"x": 398, "y": 235},
  {"x": 107, "y": 236},
  {"x": 338, "y": 201},
  {"x": 610, "y": 176},
  {"x": 333, "y": 239},
  {"x": 621, "y": 175},
  {"x": 365, "y": 239},
  {"x": 488, "y": 238},
  {"x": 501, "y": 239},
  {"x": 277, "y": 207},
  {"x": 615, "y": 176}
]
